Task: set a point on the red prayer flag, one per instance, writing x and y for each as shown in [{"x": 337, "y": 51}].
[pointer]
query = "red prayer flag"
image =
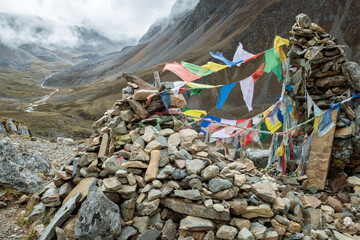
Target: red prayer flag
[{"x": 182, "y": 72}]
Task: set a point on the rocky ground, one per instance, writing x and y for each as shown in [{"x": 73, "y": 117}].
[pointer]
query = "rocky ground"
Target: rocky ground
[{"x": 11, "y": 225}]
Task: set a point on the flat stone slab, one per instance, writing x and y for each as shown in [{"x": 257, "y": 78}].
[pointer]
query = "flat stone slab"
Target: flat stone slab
[
  {"x": 320, "y": 155},
  {"x": 82, "y": 187},
  {"x": 195, "y": 210},
  {"x": 60, "y": 217}
]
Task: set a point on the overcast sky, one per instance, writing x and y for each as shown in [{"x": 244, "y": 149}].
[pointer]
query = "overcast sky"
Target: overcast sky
[{"x": 113, "y": 18}]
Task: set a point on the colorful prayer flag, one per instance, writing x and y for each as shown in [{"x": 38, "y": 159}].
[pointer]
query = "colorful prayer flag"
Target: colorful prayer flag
[
  {"x": 214, "y": 66},
  {"x": 241, "y": 54},
  {"x": 201, "y": 71},
  {"x": 182, "y": 72},
  {"x": 224, "y": 93}
]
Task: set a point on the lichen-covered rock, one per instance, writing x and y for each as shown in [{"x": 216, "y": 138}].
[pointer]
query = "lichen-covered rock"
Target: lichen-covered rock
[{"x": 99, "y": 217}]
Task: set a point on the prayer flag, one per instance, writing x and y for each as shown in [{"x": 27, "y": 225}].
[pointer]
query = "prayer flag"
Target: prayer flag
[
  {"x": 224, "y": 93},
  {"x": 177, "y": 86},
  {"x": 165, "y": 97},
  {"x": 196, "y": 91},
  {"x": 278, "y": 42},
  {"x": 247, "y": 88},
  {"x": 214, "y": 66},
  {"x": 194, "y": 113},
  {"x": 182, "y": 72},
  {"x": 223, "y": 59},
  {"x": 272, "y": 63},
  {"x": 199, "y": 85},
  {"x": 201, "y": 71},
  {"x": 241, "y": 54},
  {"x": 258, "y": 73},
  {"x": 325, "y": 123},
  {"x": 272, "y": 122}
]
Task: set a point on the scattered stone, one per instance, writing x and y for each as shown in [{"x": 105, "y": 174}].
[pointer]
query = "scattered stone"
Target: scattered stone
[
  {"x": 226, "y": 232},
  {"x": 191, "y": 223}
]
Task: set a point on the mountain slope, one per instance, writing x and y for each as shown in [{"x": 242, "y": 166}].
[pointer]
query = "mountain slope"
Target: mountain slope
[{"x": 212, "y": 26}]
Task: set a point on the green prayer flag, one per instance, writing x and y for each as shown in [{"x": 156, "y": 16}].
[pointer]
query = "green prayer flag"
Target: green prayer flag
[
  {"x": 263, "y": 136},
  {"x": 196, "y": 91},
  {"x": 198, "y": 70},
  {"x": 272, "y": 63}
]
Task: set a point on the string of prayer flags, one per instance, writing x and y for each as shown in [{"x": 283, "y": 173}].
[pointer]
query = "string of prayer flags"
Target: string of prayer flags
[
  {"x": 247, "y": 88},
  {"x": 224, "y": 93},
  {"x": 248, "y": 136},
  {"x": 241, "y": 54},
  {"x": 182, "y": 72},
  {"x": 220, "y": 57},
  {"x": 214, "y": 66},
  {"x": 205, "y": 124},
  {"x": 278, "y": 42},
  {"x": 201, "y": 71},
  {"x": 272, "y": 63}
]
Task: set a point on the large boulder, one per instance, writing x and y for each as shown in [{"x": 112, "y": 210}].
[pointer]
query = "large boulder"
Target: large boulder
[
  {"x": 99, "y": 217},
  {"x": 19, "y": 169},
  {"x": 258, "y": 156},
  {"x": 351, "y": 70}
]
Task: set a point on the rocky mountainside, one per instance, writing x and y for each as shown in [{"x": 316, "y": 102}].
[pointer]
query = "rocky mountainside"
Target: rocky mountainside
[{"x": 210, "y": 26}]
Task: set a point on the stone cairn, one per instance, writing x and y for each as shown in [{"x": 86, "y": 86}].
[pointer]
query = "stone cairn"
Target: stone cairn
[
  {"x": 9, "y": 125},
  {"x": 328, "y": 76},
  {"x": 153, "y": 182}
]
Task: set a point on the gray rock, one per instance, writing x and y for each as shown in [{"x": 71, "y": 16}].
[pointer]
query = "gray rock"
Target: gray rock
[
  {"x": 209, "y": 236},
  {"x": 114, "y": 122},
  {"x": 99, "y": 217},
  {"x": 141, "y": 223},
  {"x": 164, "y": 158},
  {"x": 264, "y": 191},
  {"x": 150, "y": 134},
  {"x": 65, "y": 141},
  {"x": 61, "y": 215},
  {"x": 183, "y": 154},
  {"x": 154, "y": 194},
  {"x": 226, "y": 232},
  {"x": 147, "y": 207},
  {"x": 174, "y": 139},
  {"x": 258, "y": 230},
  {"x": 151, "y": 234},
  {"x": 156, "y": 221},
  {"x": 86, "y": 174},
  {"x": 340, "y": 236},
  {"x": 187, "y": 135},
  {"x": 126, "y": 115},
  {"x": 282, "y": 220},
  {"x": 169, "y": 230},
  {"x": 178, "y": 174},
  {"x": 191, "y": 223},
  {"x": 2, "y": 128},
  {"x": 10, "y": 126},
  {"x": 112, "y": 165},
  {"x": 351, "y": 70},
  {"x": 194, "y": 166},
  {"x": 245, "y": 234},
  {"x": 3, "y": 205},
  {"x": 162, "y": 140},
  {"x": 127, "y": 232},
  {"x": 121, "y": 128},
  {"x": 138, "y": 108},
  {"x": 19, "y": 168},
  {"x": 217, "y": 185},
  {"x": 127, "y": 209},
  {"x": 210, "y": 172},
  {"x": 258, "y": 156},
  {"x": 188, "y": 194},
  {"x": 22, "y": 131},
  {"x": 65, "y": 189}
]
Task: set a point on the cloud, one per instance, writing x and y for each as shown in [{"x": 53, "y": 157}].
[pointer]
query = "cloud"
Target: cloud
[{"x": 117, "y": 20}]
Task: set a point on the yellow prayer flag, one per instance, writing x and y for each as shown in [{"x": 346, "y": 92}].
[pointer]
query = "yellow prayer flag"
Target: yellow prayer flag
[
  {"x": 195, "y": 113},
  {"x": 280, "y": 151},
  {"x": 214, "y": 66},
  {"x": 199, "y": 85},
  {"x": 278, "y": 42},
  {"x": 272, "y": 128},
  {"x": 316, "y": 123}
]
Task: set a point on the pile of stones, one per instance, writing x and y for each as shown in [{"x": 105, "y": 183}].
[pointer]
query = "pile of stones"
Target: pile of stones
[
  {"x": 161, "y": 181},
  {"x": 9, "y": 125},
  {"x": 329, "y": 78}
]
